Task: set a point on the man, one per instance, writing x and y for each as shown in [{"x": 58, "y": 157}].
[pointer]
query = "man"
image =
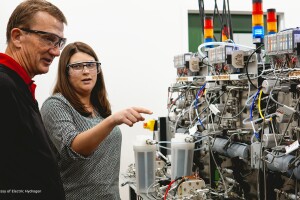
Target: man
[{"x": 28, "y": 166}]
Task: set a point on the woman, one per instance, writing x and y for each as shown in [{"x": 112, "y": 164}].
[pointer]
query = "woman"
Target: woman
[{"x": 79, "y": 121}]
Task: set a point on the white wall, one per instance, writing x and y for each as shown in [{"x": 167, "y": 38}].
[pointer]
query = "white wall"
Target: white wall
[{"x": 135, "y": 41}]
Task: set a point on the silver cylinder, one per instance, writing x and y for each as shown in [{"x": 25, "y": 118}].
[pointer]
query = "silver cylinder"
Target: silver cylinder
[
  {"x": 233, "y": 149},
  {"x": 296, "y": 171},
  {"x": 279, "y": 163},
  {"x": 218, "y": 146},
  {"x": 238, "y": 150}
]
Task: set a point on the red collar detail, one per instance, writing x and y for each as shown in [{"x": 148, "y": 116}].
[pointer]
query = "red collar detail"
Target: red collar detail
[{"x": 13, "y": 65}]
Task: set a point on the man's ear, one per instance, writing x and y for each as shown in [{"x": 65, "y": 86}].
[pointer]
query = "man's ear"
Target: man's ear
[{"x": 16, "y": 36}]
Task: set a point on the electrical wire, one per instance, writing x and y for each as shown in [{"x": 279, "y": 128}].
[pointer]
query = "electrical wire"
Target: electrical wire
[
  {"x": 164, "y": 147},
  {"x": 247, "y": 63},
  {"x": 199, "y": 93},
  {"x": 212, "y": 102},
  {"x": 190, "y": 111},
  {"x": 224, "y": 13},
  {"x": 290, "y": 120},
  {"x": 169, "y": 186},
  {"x": 251, "y": 116},
  {"x": 229, "y": 22},
  {"x": 216, "y": 10},
  {"x": 258, "y": 104},
  {"x": 247, "y": 119},
  {"x": 201, "y": 14},
  {"x": 180, "y": 182},
  {"x": 201, "y": 46},
  {"x": 242, "y": 110},
  {"x": 152, "y": 185},
  {"x": 219, "y": 171}
]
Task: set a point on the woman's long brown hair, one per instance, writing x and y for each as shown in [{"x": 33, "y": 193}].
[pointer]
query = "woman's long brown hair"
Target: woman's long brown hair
[{"x": 99, "y": 95}]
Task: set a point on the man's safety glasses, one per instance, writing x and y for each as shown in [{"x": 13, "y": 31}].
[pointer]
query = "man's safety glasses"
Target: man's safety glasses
[{"x": 50, "y": 39}]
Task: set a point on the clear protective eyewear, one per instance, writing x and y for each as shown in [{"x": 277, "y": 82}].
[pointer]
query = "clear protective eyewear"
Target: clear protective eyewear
[
  {"x": 94, "y": 67},
  {"x": 51, "y": 39}
]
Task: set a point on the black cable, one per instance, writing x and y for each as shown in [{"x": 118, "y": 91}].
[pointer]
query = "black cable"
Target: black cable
[
  {"x": 219, "y": 15},
  {"x": 229, "y": 21},
  {"x": 225, "y": 20},
  {"x": 182, "y": 180},
  {"x": 288, "y": 124},
  {"x": 201, "y": 14},
  {"x": 247, "y": 63},
  {"x": 219, "y": 122},
  {"x": 267, "y": 106},
  {"x": 217, "y": 98}
]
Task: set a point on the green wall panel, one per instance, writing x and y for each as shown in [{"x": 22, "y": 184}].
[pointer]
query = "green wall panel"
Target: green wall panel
[{"x": 240, "y": 24}]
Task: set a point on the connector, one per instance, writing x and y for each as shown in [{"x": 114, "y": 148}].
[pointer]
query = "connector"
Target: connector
[
  {"x": 214, "y": 109},
  {"x": 284, "y": 113},
  {"x": 189, "y": 139},
  {"x": 268, "y": 85},
  {"x": 151, "y": 142}
]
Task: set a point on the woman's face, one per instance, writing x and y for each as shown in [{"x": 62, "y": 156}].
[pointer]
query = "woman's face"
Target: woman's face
[{"x": 83, "y": 73}]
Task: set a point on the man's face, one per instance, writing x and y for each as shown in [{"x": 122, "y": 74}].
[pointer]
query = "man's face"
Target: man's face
[{"x": 40, "y": 44}]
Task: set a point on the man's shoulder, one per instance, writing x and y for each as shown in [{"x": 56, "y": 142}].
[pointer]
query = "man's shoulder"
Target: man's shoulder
[
  {"x": 6, "y": 76},
  {"x": 10, "y": 82}
]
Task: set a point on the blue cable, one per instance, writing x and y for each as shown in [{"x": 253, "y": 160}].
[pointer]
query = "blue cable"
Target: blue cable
[
  {"x": 196, "y": 102},
  {"x": 251, "y": 110}
]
